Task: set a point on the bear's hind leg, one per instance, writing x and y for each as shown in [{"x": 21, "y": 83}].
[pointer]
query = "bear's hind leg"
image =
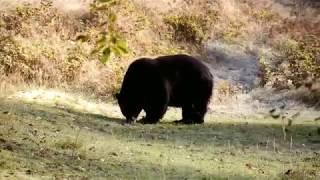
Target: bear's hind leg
[{"x": 187, "y": 114}]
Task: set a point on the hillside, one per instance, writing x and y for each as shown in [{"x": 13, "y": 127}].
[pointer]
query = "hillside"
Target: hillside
[
  {"x": 59, "y": 120},
  {"x": 274, "y": 44}
]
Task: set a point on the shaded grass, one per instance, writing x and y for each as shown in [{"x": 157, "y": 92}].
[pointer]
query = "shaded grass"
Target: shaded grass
[{"x": 221, "y": 149}]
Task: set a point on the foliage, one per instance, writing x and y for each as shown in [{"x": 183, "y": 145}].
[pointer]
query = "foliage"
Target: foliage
[
  {"x": 296, "y": 62},
  {"x": 27, "y": 65},
  {"x": 44, "y": 45},
  {"x": 303, "y": 57},
  {"x": 68, "y": 143},
  {"x": 226, "y": 90},
  {"x": 38, "y": 39},
  {"x": 8, "y": 52},
  {"x": 37, "y": 53},
  {"x": 76, "y": 56},
  {"x": 109, "y": 42},
  {"x": 232, "y": 32},
  {"x": 190, "y": 28},
  {"x": 264, "y": 15}
]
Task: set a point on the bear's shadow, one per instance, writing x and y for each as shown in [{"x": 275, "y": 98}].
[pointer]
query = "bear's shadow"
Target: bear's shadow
[{"x": 109, "y": 119}]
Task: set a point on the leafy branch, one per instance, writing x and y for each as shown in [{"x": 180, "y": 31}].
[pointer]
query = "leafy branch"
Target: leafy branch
[{"x": 109, "y": 42}]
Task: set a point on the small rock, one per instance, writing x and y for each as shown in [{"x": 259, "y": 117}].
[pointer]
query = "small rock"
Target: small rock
[
  {"x": 248, "y": 165},
  {"x": 288, "y": 172},
  {"x": 2, "y": 140},
  {"x": 113, "y": 154},
  {"x": 81, "y": 168},
  {"x": 28, "y": 171},
  {"x": 8, "y": 147}
]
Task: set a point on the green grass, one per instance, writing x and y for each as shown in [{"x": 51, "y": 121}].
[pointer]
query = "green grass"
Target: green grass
[{"x": 39, "y": 141}]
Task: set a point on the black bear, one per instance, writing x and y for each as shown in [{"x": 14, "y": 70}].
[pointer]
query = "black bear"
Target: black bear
[{"x": 174, "y": 80}]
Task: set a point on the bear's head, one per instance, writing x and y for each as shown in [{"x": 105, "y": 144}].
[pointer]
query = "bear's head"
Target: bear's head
[{"x": 129, "y": 107}]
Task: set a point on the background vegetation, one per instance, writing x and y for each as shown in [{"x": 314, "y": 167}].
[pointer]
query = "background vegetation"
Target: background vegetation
[
  {"x": 265, "y": 55},
  {"x": 39, "y": 39}
]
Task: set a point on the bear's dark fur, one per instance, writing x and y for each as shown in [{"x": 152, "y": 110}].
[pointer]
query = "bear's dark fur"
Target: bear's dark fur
[{"x": 175, "y": 80}]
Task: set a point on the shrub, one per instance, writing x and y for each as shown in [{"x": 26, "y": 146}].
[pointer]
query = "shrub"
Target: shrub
[
  {"x": 226, "y": 90},
  {"x": 36, "y": 44},
  {"x": 68, "y": 144},
  {"x": 13, "y": 59},
  {"x": 303, "y": 57},
  {"x": 264, "y": 15},
  {"x": 295, "y": 63},
  {"x": 189, "y": 28},
  {"x": 232, "y": 31}
]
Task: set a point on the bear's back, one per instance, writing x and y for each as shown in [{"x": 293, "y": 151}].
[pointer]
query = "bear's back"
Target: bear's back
[{"x": 183, "y": 65}]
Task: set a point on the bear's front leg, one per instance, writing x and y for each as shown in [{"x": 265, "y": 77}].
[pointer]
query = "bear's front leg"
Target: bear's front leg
[
  {"x": 154, "y": 114},
  {"x": 145, "y": 120}
]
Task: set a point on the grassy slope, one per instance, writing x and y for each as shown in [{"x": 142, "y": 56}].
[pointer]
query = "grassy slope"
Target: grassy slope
[{"x": 67, "y": 136}]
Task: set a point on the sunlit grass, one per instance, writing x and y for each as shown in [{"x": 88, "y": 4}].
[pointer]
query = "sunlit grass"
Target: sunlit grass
[{"x": 40, "y": 139}]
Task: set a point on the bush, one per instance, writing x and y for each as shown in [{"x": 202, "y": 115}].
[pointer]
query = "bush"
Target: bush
[
  {"x": 296, "y": 62},
  {"x": 303, "y": 59},
  {"x": 264, "y": 16},
  {"x": 232, "y": 32},
  {"x": 68, "y": 144},
  {"x": 226, "y": 90},
  {"x": 36, "y": 44},
  {"x": 189, "y": 28}
]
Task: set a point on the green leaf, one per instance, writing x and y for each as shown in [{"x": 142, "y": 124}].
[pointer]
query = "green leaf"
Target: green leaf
[
  {"x": 105, "y": 55},
  {"x": 122, "y": 45},
  {"x": 116, "y": 50},
  {"x": 119, "y": 49}
]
